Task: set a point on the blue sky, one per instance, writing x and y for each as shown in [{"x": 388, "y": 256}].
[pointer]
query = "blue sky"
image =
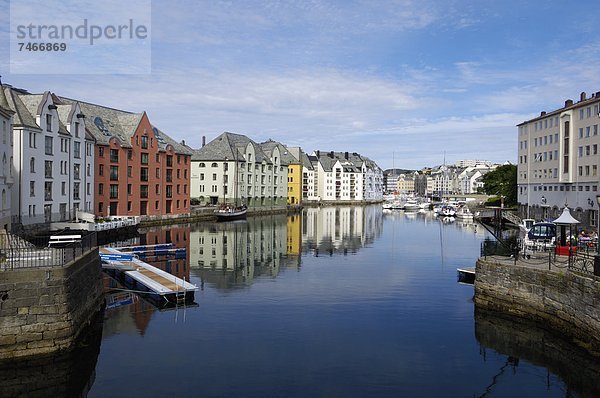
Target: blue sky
[{"x": 401, "y": 82}]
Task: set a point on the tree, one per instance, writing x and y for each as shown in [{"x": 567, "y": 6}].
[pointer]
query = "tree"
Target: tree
[{"x": 502, "y": 182}]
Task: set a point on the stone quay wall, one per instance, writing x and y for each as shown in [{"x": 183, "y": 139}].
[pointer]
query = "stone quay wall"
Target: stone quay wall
[
  {"x": 43, "y": 310},
  {"x": 565, "y": 301}
]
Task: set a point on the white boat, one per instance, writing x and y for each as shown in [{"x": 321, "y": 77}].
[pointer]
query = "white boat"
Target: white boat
[
  {"x": 526, "y": 224},
  {"x": 447, "y": 211},
  {"x": 411, "y": 205},
  {"x": 464, "y": 213}
]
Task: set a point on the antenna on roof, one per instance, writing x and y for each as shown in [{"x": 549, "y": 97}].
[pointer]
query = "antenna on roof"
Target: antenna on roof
[{"x": 0, "y": 80}]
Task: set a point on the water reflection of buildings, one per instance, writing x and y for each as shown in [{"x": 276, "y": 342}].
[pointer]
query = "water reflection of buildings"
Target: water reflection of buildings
[
  {"x": 234, "y": 253},
  {"x": 340, "y": 229},
  {"x": 519, "y": 339},
  {"x": 137, "y": 312}
]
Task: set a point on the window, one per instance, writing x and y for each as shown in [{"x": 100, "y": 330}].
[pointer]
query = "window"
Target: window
[
  {"x": 76, "y": 129},
  {"x": 76, "y": 171},
  {"x": 48, "y": 147},
  {"x": 48, "y": 122},
  {"x": 144, "y": 142},
  {"x": 144, "y": 174},
  {"x": 566, "y": 147},
  {"x": 169, "y": 191},
  {"x": 157, "y": 158},
  {"x": 144, "y": 158},
  {"x": 157, "y": 189},
  {"x": 185, "y": 173},
  {"x": 89, "y": 188},
  {"x": 77, "y": 150},
  {"x": 63, "y": 188},
  {"x": 129, "y": 171},
  {"x": 201, "y": 176},
  {"x": 157, "y": 172},
  {"x": 114, "y": 155},
  {"x": 88, "y": 168},
  {"x": 114, "y": 191},
  {"x": 214, "y": 177},
  {"x": 32, "y": 165},
  {"x": 31, "y": 188},
  {"x": 48, "y": 169},
  {"x": 143, "y": 191},
  {"x": 128, "y": 189},
  {"x": 48, "y": 190},
  {"x": 100, "y": 207},
  {"x": 178, "y": 159},
  {"x": 75, "y": 191},
  {"x": 178, "y": 173},
  {"x": 32, "y": 143},
  {"x": 101, "y": 170},
  {"x": 114, "y": 173},
  {"x": 169, "y": 160},
  {"x": 100, "y": 189},
  {"x": 101, "y": 151},
  {"x": 129, "y": 154},
  {"x": 129, "y": 206},
  {"x": 169, "y": 175}
]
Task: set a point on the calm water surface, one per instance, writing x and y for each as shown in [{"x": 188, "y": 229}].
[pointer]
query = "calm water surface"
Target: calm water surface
[{"x": 338, "y": 302}]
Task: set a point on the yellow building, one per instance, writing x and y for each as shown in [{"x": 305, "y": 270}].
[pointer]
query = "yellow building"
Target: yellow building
[
  {"x": 294, "y": 191},
  {"x": 294, "y": 234}
]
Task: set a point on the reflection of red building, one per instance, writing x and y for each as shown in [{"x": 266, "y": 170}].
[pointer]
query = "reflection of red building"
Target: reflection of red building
[
  {"x": 140, "y": 171},
  {"x": 179, "y": 235}
]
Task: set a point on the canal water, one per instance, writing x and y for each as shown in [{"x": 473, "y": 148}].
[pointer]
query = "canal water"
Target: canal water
[{"x": 336, "y": 302}]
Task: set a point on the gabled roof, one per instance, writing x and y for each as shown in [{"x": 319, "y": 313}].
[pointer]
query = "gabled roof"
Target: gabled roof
[
  {"x": 229, "y": 146},
  {"x": 286, "y": 156},
  {"x": 22, "y": 117}
]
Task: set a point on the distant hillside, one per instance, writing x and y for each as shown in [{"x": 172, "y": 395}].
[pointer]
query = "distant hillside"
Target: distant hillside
[{"x": 397, "y": 171}]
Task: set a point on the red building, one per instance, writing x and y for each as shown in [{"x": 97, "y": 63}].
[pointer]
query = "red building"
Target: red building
[{"x": 140, "y": 171}]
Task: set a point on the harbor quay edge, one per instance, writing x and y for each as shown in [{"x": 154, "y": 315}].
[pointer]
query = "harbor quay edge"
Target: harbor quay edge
[
  {"x": 564, "y": 301},
  {"x": 44, "y": 310}
]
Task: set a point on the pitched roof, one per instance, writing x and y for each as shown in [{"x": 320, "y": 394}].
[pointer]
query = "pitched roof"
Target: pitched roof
[
  {"x": 229, "y": 146},
  {"x": 22, "y": 117},
  {"x": 286, "y": 156}
]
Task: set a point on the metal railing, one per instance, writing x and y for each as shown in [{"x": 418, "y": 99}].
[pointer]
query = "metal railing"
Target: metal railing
[
  {"x": 578, "y": 259},
  {"x": 19, "y": 254}
]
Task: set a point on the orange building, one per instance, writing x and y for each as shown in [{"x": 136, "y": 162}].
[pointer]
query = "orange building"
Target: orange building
[{"x": 140, "y": 171}]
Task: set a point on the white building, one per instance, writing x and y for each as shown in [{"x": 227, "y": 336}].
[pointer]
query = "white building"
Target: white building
[
  {"x": 470, "y": 179},
  {"x": 6, "y": 154},
  {"x": 344, "y": 176},
  {"x": 52, "y": 158},
  {"x": 558, "y": 161},
  {"x": 472, "y": 163},
  {"x": 233, "y": 169}
]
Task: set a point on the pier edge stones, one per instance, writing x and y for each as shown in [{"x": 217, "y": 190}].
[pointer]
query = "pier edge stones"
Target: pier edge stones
[
  {"x": 46, "y": 308},
  {"x": 563, "y": 301}
]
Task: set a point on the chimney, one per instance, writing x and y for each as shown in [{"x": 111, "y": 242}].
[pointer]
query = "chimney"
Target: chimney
[
  {"x": 568, "y": 103},
  {"x": 318, "y": 153},
  {"x": 346, "y": 155},
  {"x": 582, "y": 96},
  {"x": 183, "y": 142},
  {"x": 331, "y": 154},
  {"x": 203, "y": 141},
  {"x": 543, "y": 113}
]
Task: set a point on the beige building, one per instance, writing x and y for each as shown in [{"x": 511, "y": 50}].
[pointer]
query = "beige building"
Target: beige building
[{"x": 558, "y": 161}]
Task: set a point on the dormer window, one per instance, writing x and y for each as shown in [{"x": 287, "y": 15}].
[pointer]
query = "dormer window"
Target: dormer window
[{"x": 48, "y": 122}]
